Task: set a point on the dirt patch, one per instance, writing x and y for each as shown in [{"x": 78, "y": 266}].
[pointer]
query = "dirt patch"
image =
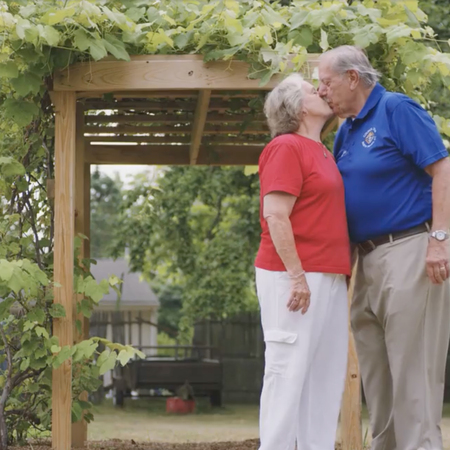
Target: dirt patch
[{"x": 116, "y": 444}]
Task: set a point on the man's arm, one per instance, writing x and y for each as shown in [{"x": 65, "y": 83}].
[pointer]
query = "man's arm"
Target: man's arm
[
  {"x": 277, "y": 208},
  {"x": 437, "y": 254}
]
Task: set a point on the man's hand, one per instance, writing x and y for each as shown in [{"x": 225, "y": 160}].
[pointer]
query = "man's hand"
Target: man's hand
[
  {"x": 300, "y": 295},
  {"x": 437, "y": 263}
]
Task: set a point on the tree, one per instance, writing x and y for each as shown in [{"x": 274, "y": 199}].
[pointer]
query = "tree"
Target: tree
[
  {"x": 40, "y": 36},
  {"x": 198, "y": 228},
  {"x": 106, "y": 198}
]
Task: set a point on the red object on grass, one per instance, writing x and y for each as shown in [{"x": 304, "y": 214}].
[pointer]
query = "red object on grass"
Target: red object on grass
[{"x": 179, "y": 406}]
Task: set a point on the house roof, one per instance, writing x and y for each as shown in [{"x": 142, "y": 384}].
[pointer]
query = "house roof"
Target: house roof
[{"x": 135, "y": 291}]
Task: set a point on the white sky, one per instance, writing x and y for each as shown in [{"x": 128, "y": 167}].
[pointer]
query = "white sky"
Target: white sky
[{"x": 125, "y": 171}]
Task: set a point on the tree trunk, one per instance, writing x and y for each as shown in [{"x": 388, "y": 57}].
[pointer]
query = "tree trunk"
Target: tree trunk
[{"x": 3, "y": 429}]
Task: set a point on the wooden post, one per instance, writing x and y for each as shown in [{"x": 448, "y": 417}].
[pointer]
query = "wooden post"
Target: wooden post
[
  {"x": 79, "y": 429},
  {"x": 201, "y": 113},
  {"x": 65, "y": 103},
  {"x": 351, "y": 426},
  {"x": 351, "y": 429}
]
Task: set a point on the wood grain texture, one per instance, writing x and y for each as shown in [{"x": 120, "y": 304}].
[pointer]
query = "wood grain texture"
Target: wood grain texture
[
  {"x": 210, "y": 128},
  {"x": 154, "y": 72},
  {"x": 201, "y": 112},
  {"x": 65, "y": 118},
  {"x": 351, "y": 426},
  {"x": 79, "y": 429},
  {"x": 173, "y": 154}
]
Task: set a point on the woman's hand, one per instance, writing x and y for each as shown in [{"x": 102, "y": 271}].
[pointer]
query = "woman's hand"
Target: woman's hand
[{"x": 300, "y": 294}]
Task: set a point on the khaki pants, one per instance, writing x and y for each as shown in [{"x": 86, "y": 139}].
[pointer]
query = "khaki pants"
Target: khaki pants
[
  {"x": 401, "y": 324},
  {"x": 305, "y": 362}
]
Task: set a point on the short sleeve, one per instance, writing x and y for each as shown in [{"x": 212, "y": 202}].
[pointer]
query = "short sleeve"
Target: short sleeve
[
  {"x": 416, "y": 134},
  {"x": 281, "y": 170}
]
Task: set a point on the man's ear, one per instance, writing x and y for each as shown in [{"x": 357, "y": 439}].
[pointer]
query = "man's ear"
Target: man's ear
[{"x": 353, "y": 79}]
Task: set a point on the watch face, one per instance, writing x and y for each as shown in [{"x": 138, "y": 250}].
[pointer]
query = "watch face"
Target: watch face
[{"x": 440, "y": 235}]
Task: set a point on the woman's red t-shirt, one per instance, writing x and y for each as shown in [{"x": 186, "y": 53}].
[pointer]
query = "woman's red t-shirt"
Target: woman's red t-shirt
[{"x": 297, "y": 165}]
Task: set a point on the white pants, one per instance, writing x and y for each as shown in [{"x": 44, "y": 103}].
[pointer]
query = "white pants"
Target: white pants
[{"x": 305, "y": 362}]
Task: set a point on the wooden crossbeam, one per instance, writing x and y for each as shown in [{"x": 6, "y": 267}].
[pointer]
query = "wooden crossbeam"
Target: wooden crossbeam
[
  {"x": 198, "y": 126},
  {"x": 182, "y": 129},
  {"x": 220, "y": 138},
  {"x": 175, "y": 118},
  {"x": 156, "y": 72},
  {"x": 168, "y": 105},
  {"x": 173, "y": 154}
]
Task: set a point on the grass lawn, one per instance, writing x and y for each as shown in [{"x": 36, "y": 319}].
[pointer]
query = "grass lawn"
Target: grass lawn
[{"x": 145, "y": 420}]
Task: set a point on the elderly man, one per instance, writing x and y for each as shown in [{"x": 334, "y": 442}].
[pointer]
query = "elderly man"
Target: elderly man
[{"x": 397, "y": 186}]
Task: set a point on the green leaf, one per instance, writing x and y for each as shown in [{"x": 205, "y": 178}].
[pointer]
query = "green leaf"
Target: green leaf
[
  {"x": 57, "y": 310},
  {"x": 77, "y": 412},
  {"x": 27, "y": 83},
  {"x": 5, "y": 306},
  {"x": 303, "y": 37},
  {"x": 397, "y": 32},
  {"x": 135, "y": 14},
  {"x": 85, "y": 308},
  {"x": 63, "y": 355},
  {"x": 97, "y": 49},
  {"x": 324, "y": 40},
  {"x": 6, "y": 270},
  {"x": 10, "y": 167},
  {"x": 21, "y": 111},
  {"x": 40, "y": 331},
  {"x": 299, "y": 19},
  {"x": 25, "y": 364},
  {"x": 94, "y": 290},
  {"x": 182, "y": 39},
  {"x": 50, "y": 35},
  {"x": 54, "y": 17},
  {"x": 116, "y": 48},
  {"x": 81, "y": 40},
  {"x": 109, "y": 364},
  {"x": 9, "y": 69}
]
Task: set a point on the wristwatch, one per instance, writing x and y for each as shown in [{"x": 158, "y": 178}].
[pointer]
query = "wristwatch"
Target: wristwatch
[{"x": 439, "y": 235}]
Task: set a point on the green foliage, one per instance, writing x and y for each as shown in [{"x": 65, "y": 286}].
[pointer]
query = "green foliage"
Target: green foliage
[
  {"x": 197, "y": 228},
  {"x": 195, "y": 213},
  {"x": 106, "y": 199}
]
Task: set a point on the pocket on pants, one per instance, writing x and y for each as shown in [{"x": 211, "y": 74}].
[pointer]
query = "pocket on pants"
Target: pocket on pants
[{"x": 279, "y": 351}]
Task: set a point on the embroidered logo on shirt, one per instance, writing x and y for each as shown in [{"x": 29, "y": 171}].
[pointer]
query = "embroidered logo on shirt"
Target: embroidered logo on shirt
[{"x": 370, "y": 137}]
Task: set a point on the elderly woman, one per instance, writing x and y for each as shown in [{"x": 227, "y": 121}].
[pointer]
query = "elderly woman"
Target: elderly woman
[{"x": 301, "y": 269}]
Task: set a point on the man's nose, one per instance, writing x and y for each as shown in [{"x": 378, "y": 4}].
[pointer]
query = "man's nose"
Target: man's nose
[{"x": 322, "y": 90}]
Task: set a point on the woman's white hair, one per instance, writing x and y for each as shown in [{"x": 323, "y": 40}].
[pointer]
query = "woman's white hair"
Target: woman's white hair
[
  {"x": 283, "y": 106},
  {"x": 349, "y": 57}
]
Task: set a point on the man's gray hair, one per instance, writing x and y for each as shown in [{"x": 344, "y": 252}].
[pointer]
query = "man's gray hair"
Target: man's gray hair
[
  {"x": 283, "y": 106},
  {"x": 349, "y": 57}
]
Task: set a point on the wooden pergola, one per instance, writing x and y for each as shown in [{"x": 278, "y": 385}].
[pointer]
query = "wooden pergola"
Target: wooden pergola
[{"x": 156, "y": 110}]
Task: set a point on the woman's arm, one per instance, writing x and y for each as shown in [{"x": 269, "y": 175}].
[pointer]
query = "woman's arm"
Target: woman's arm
[{"x": 277, "y": 208}]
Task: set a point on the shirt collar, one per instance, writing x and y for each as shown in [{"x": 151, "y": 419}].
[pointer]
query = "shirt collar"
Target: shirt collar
[{"x": 374, "y": 97}]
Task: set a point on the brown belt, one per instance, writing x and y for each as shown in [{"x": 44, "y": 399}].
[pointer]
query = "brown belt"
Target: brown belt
[{"x": 372, "y": 244}]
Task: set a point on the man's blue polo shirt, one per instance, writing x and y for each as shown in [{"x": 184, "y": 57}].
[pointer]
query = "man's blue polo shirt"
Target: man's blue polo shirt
[{"x": 381, "y": 155}]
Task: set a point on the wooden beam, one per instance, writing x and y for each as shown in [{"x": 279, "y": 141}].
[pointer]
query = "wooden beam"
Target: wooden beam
[
  {"x": 79, "y": 429},
  {"x": 166, "y": 105},
  {"x": 173, "y": 154},
  {"x": 181, "y": 118},
  {"x": 351, "y": 426},
  {"x": 330, "y": 126},
  {"x": 251, "y": 128},
  {"x": 198, "y": 126},
  {"x": 176, "y": 139},
  {"x": 65, "y": 118},
  {"x": 156, "y": 72}
]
